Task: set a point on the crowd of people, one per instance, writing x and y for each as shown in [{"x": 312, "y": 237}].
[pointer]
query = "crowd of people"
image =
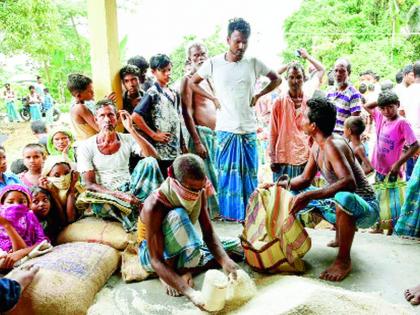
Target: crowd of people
[
  {"x": 39, "y": 101},
  {"x": 191, "y": 156}
]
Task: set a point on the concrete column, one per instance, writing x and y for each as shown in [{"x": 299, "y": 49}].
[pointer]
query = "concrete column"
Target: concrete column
[{"x": 104, "y": 52}]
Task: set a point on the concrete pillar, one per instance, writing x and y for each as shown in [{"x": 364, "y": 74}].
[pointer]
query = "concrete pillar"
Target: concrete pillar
[{"x": 104, "y": 52}]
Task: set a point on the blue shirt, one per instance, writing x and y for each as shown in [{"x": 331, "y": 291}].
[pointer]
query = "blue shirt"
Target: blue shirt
[
  {"x": 9, "y": 179},
  {"x": 48, "y": 101}
]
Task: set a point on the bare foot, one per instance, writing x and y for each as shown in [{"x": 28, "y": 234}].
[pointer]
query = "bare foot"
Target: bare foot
[
  {"x": 413, "y": 295},
  {"x": 376, "y": 230},
  {"x": 173, "y": 292},
  {"x": 337, "y": 271},
  {"x": 333, "y": 243},
  {"x": 24, "y": 275},
  {"x": 389, "y": 232}
]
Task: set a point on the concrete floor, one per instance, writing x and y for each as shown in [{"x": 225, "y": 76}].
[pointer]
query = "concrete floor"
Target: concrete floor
[{"x": 381, "y": 264}]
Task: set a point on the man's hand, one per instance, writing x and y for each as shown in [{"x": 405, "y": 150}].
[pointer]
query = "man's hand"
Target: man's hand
[
  {"x": 163, "y": 137},
  {"x": 299, "y": 202},
  {"x": 230, "y": 267},
  {"x": 395, "y": 170},
  {"x": 216, "y": 103},
  {"x": 44, "y": 183},
  {"x": 126, "y": 119},
  {"x": 303, "y": 53},
  {"x": 254, "y": 100},
  {"x": 196, "y": 298},
  {"x": 201, "y": 150},
  {"x": 112, "y": 96},
  {"x": 129, "y": 198}
]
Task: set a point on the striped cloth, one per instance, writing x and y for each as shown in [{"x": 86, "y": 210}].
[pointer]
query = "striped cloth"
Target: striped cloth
[
  {"x": 145, "y": 178},
  {"x": 346, "y": 102},
  {"x": 182, "y": 240},
  {"x": 408, "y": 223},
  {"x": 208, "y": 139},
  {"x": 237, "y": 167},
  {"x": 291, "y": 170}
]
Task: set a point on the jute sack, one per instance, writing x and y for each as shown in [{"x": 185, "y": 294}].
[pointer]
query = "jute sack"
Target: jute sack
[
  {"x": 96, "y": 230},
  {"x": 131, "y": 269},
  {"x": 68, "y": 279}
]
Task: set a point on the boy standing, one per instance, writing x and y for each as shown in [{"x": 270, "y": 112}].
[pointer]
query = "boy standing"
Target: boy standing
[
  {"x": 82, "y": 119},
  {"x": 158, "y": 114}
]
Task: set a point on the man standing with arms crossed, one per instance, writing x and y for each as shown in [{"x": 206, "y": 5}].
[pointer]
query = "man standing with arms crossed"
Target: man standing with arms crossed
[{"x": 234, "y": 78}]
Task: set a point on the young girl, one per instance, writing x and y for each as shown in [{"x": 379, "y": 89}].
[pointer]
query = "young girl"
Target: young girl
[
  {"x": 60, "y": 142},
  {"x": 6, "y": 178},
  {"x": 354, "y": 126},
  {"x": 62, "y": 182},
  {"x": 20, "y": 230},
  {"x": 33, "y": 158}
]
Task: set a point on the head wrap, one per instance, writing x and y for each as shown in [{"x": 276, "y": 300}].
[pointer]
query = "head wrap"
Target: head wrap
[
  {"x": 15, "y": 187},
  {"x": 52, "y": 150},
  {"x": 52, "y": 161}
]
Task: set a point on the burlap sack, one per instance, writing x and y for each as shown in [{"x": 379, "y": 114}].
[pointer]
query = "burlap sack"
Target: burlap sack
[
  {"x": 131, "y": 270},
  {"x": 68, "y": 279},
  {"x": 96, "y": 230}
]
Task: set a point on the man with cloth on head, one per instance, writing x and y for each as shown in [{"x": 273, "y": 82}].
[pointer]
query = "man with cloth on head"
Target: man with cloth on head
[{"x": 169, "y": 243}]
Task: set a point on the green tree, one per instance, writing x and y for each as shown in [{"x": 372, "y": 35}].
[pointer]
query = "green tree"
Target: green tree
[
  {"x": 374, "y": 34},
  {"x": 215, "y": 45},
  {"x": 46, "y": 32}
]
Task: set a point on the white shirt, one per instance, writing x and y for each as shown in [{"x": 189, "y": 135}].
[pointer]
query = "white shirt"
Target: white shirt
[
  {"x": 411, "y": 107},
  {"x": 234, "y": 84},
  {"x": 111, "y": 170}
]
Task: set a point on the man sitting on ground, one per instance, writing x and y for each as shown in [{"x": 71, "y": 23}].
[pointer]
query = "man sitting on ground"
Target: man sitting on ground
[
  {"x": 348, "y": 201},
  {"x": 103, "y": 161},
  {"x": 169, "y": 243}
]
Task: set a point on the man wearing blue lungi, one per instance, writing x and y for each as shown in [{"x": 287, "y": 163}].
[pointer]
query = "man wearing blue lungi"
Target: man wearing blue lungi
[{"x": 234, "y": 79}]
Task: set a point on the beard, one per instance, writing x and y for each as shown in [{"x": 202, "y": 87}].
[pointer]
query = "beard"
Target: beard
[{"x": 342, "y": 84}]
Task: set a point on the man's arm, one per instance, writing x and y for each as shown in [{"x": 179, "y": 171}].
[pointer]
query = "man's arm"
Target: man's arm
[
  {"x": 275, "y": 81},
  {"x": 187, "y": 113},
  {"x": 194, "y": 84},
  {"x": 366, "y": 165},
  {"x": 145, "y": 146},
  {"x": 320, "y": 70},
  {"x": 412, "y": 150},
  {"x": 152, "y": 216}
]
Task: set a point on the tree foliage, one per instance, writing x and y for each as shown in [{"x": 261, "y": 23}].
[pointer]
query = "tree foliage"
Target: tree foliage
[
  {"x": 214, "y": 43},
  {"x": 47, "y": 33},
  {"x": 373, "y": 34}
]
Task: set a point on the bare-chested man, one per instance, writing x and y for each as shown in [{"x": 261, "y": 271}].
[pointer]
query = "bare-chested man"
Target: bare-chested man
[
  {"x": 200, "y": 118},
  {"x": 348, "y": 201},
  {"x": 170, "y": 245}
]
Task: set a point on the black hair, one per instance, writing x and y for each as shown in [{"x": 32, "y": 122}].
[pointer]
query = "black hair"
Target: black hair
[
  {"x": 31, "y": 87},
  {"x": 399, "y": 76},
  {"x": 7, "y": 84},
  {"x": 407, "y": 69},
  {"x": 355, "y": 124},
  {"x": 105, "y": 102},
  {"x": 323, "y": 113},
  {"x": 387, "y": 85},
  {"x": 367, "y": 72},
  {"x": 77, "y": 82},
  {"x": 139, "y": 61},
  {"x": 35, "y": 146},
  {"x": 330, "y": 76},
  {"x": 38, "y": 126},
  {"x": 129, "y": 69},
  {"x": 387, "y": 97},
  {"x": 2, "y": 148},
  {"x": 363, "y": 88},
  {"x": 295, "y": 66},
  {"x": 46, "y": 90},
  {"x": 240, "y": 25},
  {"x": 38, "y": 77},
  {"x": 416, "y": 69},
  {"x": 18, "y": 167},
  {"x": 37, "y": 189},
  {"x": 159, "y": 61}
]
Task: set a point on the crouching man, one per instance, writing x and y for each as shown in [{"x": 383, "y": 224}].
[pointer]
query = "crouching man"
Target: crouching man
[
  {"x": 170, "y": 245},
  {"x": 348, "y": 201}
]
